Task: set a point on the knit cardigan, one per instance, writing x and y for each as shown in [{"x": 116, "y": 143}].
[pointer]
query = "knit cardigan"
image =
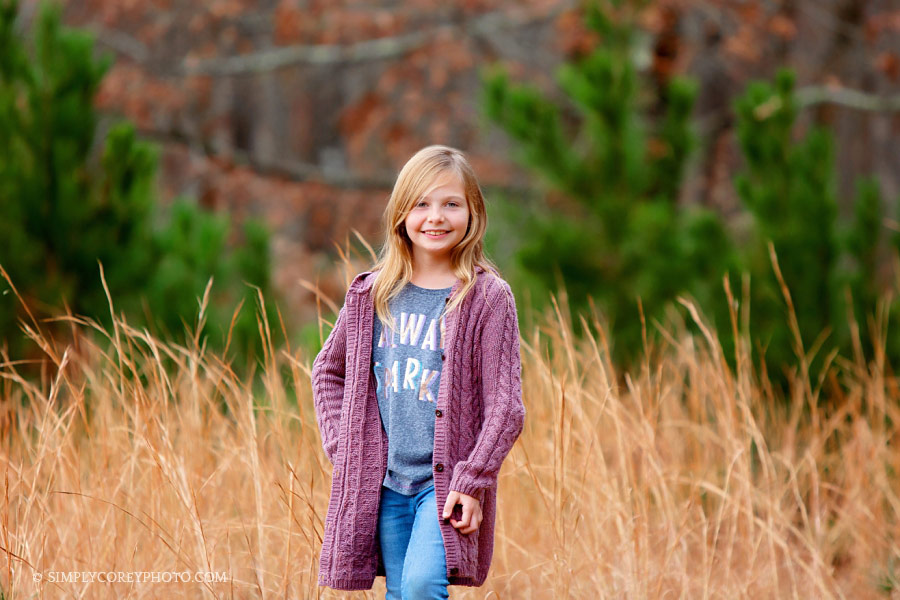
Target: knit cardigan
[{"x": 479, "y": 415}]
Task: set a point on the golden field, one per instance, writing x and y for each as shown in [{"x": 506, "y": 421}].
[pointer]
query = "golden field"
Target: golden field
[{"x": 683, "y": 479}]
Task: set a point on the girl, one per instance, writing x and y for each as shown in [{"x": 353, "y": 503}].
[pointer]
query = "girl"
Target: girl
[{"x": 418, "y": 407}]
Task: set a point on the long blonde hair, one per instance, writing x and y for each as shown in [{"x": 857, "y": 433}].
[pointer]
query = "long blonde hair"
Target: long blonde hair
[{"x": 395, "y": 260}]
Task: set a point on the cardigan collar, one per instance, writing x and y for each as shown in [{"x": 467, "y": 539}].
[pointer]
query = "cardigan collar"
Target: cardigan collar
[{"x": 362, "y": 283}]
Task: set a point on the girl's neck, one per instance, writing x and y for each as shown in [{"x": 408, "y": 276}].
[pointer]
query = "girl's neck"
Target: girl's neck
[{"x": 433, "y": 276}]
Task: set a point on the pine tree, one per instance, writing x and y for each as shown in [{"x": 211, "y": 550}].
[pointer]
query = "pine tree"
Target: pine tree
[
  {"x": 788, "y": 186},
  {"x": 624, "y": 237},
  {"x": 65, "y": 210}
]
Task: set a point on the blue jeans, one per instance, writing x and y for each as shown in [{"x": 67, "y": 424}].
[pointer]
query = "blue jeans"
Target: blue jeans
[{"x": 411, "y": 546}]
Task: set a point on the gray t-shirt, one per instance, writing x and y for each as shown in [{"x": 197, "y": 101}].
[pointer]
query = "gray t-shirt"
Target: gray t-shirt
[{"x": 407, "y": 365}]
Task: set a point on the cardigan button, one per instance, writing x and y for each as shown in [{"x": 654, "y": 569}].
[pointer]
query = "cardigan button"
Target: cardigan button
[
  {"x": 454, "y": 570},
  {"x": 438, "y": 413},
  {"x": 443, "y": 356},
  {"x": 439, "y": 467}
]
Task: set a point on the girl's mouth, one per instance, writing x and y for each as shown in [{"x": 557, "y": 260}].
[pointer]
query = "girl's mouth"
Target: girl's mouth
[{"x": 435, "y": 234}]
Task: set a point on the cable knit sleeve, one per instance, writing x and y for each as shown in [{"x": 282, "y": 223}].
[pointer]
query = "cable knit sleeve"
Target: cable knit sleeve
[
  {"x": 328, "y": 373},
  {"x": 504, "y": 412}
]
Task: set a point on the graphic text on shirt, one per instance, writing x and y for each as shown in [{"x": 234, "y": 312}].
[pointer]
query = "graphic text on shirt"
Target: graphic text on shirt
[{"x": 413, "y": 332}]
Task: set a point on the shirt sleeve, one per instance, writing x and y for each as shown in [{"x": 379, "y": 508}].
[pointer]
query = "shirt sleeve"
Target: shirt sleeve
[
  {"x": 504, "y": 411},
  {"x": 328, "y": 374}
]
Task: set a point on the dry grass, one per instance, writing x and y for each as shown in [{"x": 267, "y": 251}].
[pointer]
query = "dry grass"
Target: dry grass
[{"x": 685, "y": 480}]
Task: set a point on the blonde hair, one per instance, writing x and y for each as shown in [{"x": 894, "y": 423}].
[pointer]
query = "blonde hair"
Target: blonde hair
[{"x": 395, "y": 260}]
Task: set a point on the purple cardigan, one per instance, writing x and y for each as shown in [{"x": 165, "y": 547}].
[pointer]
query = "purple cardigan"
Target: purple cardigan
[{"x": 479, "y": 415}]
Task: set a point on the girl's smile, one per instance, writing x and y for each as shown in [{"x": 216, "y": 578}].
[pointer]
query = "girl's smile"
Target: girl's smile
[{"x": 438, "y": 220}]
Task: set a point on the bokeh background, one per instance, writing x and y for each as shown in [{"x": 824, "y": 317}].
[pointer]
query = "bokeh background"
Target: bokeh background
[{"x": 635, "y": 149}]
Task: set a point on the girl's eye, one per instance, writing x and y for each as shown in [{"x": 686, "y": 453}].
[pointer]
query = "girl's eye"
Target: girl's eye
[{"x": 451, "y": 203}]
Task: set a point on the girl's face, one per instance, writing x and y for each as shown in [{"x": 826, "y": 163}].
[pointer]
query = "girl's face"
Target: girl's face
[{"x": 438, "y": 220}]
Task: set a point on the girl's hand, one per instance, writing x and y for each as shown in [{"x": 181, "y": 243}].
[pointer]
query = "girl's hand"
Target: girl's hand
[{"x": 471, "y": 512}]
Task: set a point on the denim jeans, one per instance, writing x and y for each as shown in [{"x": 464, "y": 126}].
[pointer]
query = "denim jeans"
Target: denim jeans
[{"x": 411, "y": 546}]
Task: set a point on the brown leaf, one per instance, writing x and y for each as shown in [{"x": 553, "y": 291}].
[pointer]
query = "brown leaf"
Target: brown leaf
[
  {"x": 889, "y": 64},
  {"x": 783, "y": 27},
  {"x": 744, "y": 44}
]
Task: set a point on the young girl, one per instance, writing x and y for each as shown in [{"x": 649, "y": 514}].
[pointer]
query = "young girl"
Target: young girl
[{"x": 418, "y": 394}]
